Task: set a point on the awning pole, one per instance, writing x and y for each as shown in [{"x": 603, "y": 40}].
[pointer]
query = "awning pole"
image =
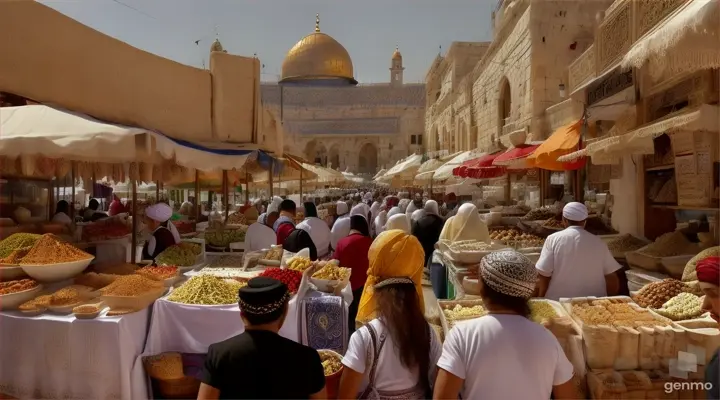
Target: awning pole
[
  {"x": 272, "y": 166},
  {"x": 247, "y": 188},
  {"x": 198, "y": 210},
  {"x": 73, "y": 167},
  {"x": 301, "y": 182},
  {"x": 133, "y": 241},
  {"x": 226, "y": 193}
]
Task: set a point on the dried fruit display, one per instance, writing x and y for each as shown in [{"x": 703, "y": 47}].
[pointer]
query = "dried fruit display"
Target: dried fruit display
[
  {"x": 17, "y": 241},
  {"x": 625, "y": 243},
  {"x": 158, "y": 273},
  {"x": 105, "y": 229},
  {"x": 86, "y": 309},
  {"x": 463, "y": 312},
  {"x": 16, "y": 256},
  {"x": 184, "y": 227},
  {"x": 165, "y": 366},
  {"x": 299, "y": 263},
  {"x": 681, "y": 307},
  {"x": 331, "y": 271},
  {"x": 670, "y": 244},
  {"x": 514, "y": 237},
  {"x": 183, "y": 254},
  {"x": 224, "y": 272},
  {"x": 131, "y": 285},
  {"x": 615, "y": 314},
  {"x": 287, "y": 276},
  {"x": 95, "y": 280},
  {"x": 223, "y": 237},
  {"x": 50, "y": 249},
  {"x": 206, "y": 290},
  {"x": 38, "y": 303},
  {"x": 553, "y": 223},
  {"x": 16, "y": 286},
  {"x": 658, "y": 293},
  {"x": 469, "y": 245},
  {"x": 330, "y": 362},
  {"x": 275, "y": 253},
  {"x": 541, "y": 311}
]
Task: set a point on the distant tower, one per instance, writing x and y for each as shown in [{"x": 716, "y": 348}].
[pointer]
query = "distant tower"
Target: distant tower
[
  {"x": 396, "y": 69},
  {"x": 216, "y": 45}
]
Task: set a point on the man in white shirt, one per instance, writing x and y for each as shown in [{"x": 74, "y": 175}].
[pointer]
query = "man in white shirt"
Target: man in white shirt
[{"x": 574, "y": 262}]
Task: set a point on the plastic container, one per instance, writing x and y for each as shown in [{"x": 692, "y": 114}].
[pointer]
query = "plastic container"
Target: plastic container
[{"x": 56, "y": 272}]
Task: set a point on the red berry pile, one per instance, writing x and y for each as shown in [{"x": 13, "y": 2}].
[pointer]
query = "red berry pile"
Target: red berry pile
[{"x": 289, "y": 277}]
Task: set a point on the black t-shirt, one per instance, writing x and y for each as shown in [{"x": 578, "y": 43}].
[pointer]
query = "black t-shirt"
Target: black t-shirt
[{"x": 263, "y": 365}]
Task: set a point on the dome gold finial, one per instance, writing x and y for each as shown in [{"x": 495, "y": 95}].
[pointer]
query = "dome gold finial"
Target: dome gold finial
[{"x": 317, "y": 22}]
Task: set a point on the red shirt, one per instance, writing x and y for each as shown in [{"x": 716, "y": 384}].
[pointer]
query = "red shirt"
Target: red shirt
[
  {"x": 283, "y": 231},
  {"x": 352, "y": 252}
]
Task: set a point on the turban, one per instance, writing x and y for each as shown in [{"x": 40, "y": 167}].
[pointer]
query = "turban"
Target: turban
[
  {"x": 341, "y": 208},
  {"x": 393, "y": 254},
  {"x": 575, "y": 211},
  {"x": 510, "y": 273},
  {"x": 708, "y": 272},
  {"x": 262, "y": 295},
  {"x": 159, "y": 212}
]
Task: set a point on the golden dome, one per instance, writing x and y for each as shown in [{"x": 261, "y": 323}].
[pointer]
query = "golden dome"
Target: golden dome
[
  {"x": 396, "y": 54},
  {"x": 317, "y": 56}
]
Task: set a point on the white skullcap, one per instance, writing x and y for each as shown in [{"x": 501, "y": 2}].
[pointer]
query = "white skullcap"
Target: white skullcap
[
  {"x": 575, "y": 211},
  {"x": 341, "y": 208},
  {"x": 159, "y": 212}
]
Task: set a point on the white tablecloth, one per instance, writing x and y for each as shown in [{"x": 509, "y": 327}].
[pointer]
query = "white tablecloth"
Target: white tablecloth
[{"x": 59, "y": 356}]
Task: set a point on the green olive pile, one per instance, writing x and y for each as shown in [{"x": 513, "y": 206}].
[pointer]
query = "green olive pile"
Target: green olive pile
[
  {"x": 223, "y": 237},
  {"x": 183, "y": 254}
]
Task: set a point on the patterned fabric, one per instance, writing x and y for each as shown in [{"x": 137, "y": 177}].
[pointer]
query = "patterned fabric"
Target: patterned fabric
[
  {"x": 394, "y": 281},
  {"x": 509, "y": 272},
  {"x": 324, "y": 323}
]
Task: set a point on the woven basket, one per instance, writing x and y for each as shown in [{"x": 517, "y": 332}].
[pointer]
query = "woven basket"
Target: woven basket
[{"x": 184, "y": 388}]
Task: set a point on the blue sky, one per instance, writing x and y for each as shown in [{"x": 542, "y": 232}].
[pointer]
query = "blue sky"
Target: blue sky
[{"x": 369, "y": 29}]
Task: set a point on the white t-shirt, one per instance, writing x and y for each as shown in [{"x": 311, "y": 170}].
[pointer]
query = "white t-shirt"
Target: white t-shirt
[
  {"x": 390, "y": 374},
  {"x": 319, "y": 233},
  {"x": 577, "y": 261},
  {"x": 259, "y": 236},
  {"x": 504, "y": 356}
]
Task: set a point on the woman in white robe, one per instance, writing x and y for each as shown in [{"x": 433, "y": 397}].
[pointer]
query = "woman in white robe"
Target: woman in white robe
[
  {"x": 341, "y": 228},
  {"x": 317, "y": 228},
  {"x": 380, "y": 221},
  {"x": 398, "y": 221},
  {"x": 259, "y": 235}
]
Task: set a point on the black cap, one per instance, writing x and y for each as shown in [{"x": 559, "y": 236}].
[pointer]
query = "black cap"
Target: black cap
[{"x": 263, "y": 295}]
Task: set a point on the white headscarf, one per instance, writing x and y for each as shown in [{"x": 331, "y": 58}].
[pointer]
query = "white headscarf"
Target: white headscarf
[
  {"x": 374, "y": 209},
  {"x": 380, "y": 222},
  {"x": 274, "y": 205},
  {"x": 465, "y": 225},
  {"x": 431, "y": 207},
  {"x": 361, "y": 209},
  {"x": 162, "y": 212},
  {"x": 403, "y": 204},
  {"x": 393, "y": 211},
  {"x": 410, "y": 209},
  {"x": 398, "y": 221},
  {"x": 341, "y": 208},
  {"x": 368, "y": 196},
  {"x": 417, "y": 214}
]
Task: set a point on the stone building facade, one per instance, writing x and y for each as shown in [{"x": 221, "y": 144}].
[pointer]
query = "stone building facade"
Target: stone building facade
[{"x": 517, "y": 77}]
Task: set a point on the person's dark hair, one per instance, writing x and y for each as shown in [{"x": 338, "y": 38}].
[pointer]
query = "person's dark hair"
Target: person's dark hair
[
  {"x": 358, "y": 223},
  {"x": 93, "y": 204},
  {"x": 398, "y": 306},
  {"x": 574, "y": 223},
  {"x": 260, "y": 319},
  {"x": 62, "y": 207},
  {"x": 310, "y": 209},
  {"x": 287, "y": 206},
  {"x": 512, "y": 303},
  {"x": 298, "y": 240}
]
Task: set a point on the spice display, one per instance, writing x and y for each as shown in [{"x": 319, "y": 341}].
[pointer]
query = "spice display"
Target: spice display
[
  {"x": 625, "y": 243},
  {"x": 206, "y": 290},
  {"x": 105, "y": 229},
  {"x": 95, "y": 280},
  {"x": 131, "y": 285},
  {"x": 330, "y": 362},
  {"x": 541, "y": 213},
  {"x": 541, "y": 311},
  {"x": 17, "y": 241},
  {"x": 553, "y": 223},
  {"x": 17, "y": 286},
  {"x": 223, "y": 237},
  {"x": 227, "y": 261},
  {"x": 40, "y": 302},
  {"x": 517, "y": 238},
  {"x": 596, "y": 226},
  {"x": 50, "y": 249},
  {"x": 670, "y": 244},
  {"x": 667, "y": 193},
  {"x": 15, "y": 256},
  {"x": 165, "y": 366},
  {"x": 86, "y": 309},
  {"x": 463, "y": 312},
  {"x": 289, "y": 277},
  {"x": 237, "y": 218},
  {"x": 183, "y": 254},
  {"x": 299, "y": 263},
  {"x": 615, "y": 314},
  {"x": 158, "y": 273},
  {"x": 65, "y": 297},
  {"x": 331, "y": 271},
  {"x": 469, "y": 245},
  {"x": 681, "y": 307},
  {"x": 275, "y": 253},
  {"x": 658, "y": 293}
]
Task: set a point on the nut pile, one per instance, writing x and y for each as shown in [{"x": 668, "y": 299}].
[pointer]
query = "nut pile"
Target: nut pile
[
  {"x": 517, "y": 238},
  {"x": 542, "y": 213},
  {"x": 50, "y": 249},
  {"x": 330, "y": 362},
  {"x": 17, "y": 286},
  {"x": 95, "y": 280},
  {"x": 131, "y": 285},
  {"x": 275, "y": 253},
  {"x": 541, "y": 311},
  {"x": 658, "y": 293},
  {"x": 158, "y": 273},
  {"x": 165, "y": 366},
  {"x": 15, "y": 257},
  {"x": 289, "y": 277},
  {"x": 206, "y": 290},
  {"x": 86, "y": 309},
  {"x": 670, "y": 244},
  {"x": 553, "y": 223},
  {"x": 469, "y": 245},
  {"x": 681, "y": 307},
  {"x": 606, "y": 312},
  {"x": 299, "y": 263},
  {"x": 465, "y": 312},
  {"x": 65, "y": 297},
  {"x": 625, "y": 243},
  {"x": 17, "y": 241},
  {"x": 331, "y": 271},
  {"x": 183, "y": 254},
  {"x": 38, "y": 303}
]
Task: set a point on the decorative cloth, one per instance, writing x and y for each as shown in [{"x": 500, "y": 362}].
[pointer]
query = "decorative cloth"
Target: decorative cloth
[
  {"x": 465, "y": 225},
  {"x": 394, "y": 281},
  {"x": 575, "y": 211},
  {"x": 324, "y": 323},
  {"x": 509, "y": 272},
  {"x": 398, "y": 221},
  {"x": 393, "y": 254},
  {"x": 708, "y": 272},
  {"x": 341, "y": 208}
]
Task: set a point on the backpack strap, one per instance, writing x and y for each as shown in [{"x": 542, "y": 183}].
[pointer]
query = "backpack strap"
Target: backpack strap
[{"x": 377, "y": 348}]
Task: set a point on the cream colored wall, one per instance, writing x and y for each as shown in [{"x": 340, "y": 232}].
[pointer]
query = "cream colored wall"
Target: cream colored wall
[
  {"x": 235, "y": 97},
  {"x": 625, "y": 192}
]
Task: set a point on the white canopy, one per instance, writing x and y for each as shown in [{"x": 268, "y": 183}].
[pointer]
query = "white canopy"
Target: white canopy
[
  {"x": 404, "y": 168},
  {"x": 48, "y": 131},
  {"x": 445, "y": 171},
  {"x": 202, "y": 158},
  {"x": 428, "y": 168}
]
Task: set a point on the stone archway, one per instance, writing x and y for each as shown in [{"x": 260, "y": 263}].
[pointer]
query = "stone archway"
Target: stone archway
[
  {"x": 368, "y": 159},
  {"x": 504, "y": 106},
  {"x": 316, "y": 152},
  {"x": 334, "y": 156},
  {"x": 463, "y": 135}
]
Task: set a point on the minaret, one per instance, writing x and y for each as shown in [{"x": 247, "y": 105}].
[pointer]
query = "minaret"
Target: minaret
[
  {"x": 216, "y": 45},
  {"x": 396, "y": 69}
]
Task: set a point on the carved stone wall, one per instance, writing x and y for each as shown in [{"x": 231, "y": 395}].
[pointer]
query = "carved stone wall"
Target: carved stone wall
[
  {"x": 615, "y": 36},
  {"x": 582, "y": 69},
  {"x": 649, "y": 12}
]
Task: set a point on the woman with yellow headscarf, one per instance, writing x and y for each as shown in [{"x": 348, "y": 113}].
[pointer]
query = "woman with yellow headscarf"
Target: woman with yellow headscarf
[{"x": 394, "y": 355}]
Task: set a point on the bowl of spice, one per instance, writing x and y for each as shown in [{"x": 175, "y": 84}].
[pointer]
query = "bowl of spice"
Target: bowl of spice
[
  {"x": 14, "y": 293},
  {"x": 52, "y": 260},
  {"x": 86, "y": 311}
]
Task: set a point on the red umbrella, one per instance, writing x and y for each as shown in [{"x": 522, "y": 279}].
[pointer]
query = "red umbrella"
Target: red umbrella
[
  {"x": 479, "y": 168},
  {"x": 514, "y": 154}
]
